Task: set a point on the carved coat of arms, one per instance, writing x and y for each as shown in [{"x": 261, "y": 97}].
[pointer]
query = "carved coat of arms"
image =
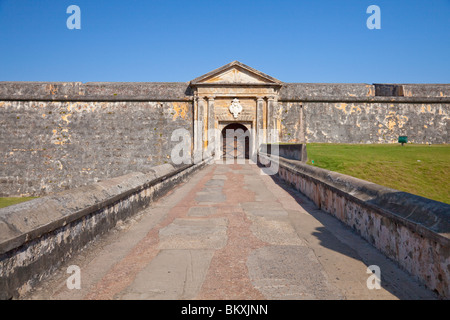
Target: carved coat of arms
[{"x": 235, "y": 107}]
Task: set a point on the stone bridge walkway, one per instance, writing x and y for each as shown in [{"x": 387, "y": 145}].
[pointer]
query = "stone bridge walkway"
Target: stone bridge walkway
[{"x": 231, "y": 233}]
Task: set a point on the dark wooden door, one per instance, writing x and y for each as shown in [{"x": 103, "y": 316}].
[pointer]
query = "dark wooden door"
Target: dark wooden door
[{"x": 236, "y": 142}]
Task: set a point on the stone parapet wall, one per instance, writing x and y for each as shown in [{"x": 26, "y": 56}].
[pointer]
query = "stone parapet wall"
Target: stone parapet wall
[
  {"x": 175, "y": 91},
  {"x": 426, "y": 90},
  {"x": 301, "y": 91},
  {"x": 37, "y": 236},
  {"x": 363, "y": 92},
  {"x": 96, "y": 91},
  {"x": 411, "y": 230}
]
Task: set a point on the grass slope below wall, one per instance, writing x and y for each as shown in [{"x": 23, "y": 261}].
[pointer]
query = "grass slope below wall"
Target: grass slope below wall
[
  {"x": 423, "y": 170},
  {"x": 4, "y": 202}
]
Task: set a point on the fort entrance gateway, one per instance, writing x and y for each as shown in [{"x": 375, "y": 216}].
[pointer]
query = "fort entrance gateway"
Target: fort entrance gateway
[{"x": 235, "y": 93}]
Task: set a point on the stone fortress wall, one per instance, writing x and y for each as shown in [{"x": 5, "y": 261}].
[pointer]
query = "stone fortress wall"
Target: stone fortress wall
[
  {"x": 58, "y": 136},
  {"x": 61, "y": 135},
  {"x": 362, "y": 113}
]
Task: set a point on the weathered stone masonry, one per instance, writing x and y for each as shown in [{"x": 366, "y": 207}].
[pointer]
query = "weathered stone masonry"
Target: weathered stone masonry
[
  {"x": 55, "y": 136},
  {"x": 411, "y": 230},
  {"x": 38, "y": 236},
  {"x": 85, "y": 133},
  {"x": 354, "y": 113}
]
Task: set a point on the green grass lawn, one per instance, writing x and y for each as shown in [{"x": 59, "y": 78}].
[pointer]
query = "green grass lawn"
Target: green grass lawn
[
  {"x": 4, "y": 202},
  {"x": 423, "y": 170}
]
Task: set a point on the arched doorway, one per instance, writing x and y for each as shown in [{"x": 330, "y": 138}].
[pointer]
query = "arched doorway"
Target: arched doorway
[{"x": 235, "y": 141}]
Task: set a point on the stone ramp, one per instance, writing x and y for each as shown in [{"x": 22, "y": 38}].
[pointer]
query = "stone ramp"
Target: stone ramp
[{"x": 231, "y": 233}]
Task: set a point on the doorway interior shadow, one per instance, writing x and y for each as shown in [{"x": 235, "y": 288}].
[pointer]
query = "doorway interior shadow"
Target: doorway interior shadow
[{"x": 235, "y": 141}]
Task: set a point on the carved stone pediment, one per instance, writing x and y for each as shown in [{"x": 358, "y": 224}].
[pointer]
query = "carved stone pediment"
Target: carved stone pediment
[{"x": 235, "y": 73}]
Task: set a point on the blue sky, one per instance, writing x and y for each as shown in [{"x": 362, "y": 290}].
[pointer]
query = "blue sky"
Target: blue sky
[{"x": 179, "y": 40}]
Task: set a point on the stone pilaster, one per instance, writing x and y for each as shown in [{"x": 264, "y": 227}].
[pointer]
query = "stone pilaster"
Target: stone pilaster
[
  {"x": 271, "y": 120},
  {"x": 260, "y": 134},
  {"x": 211, "y": 138},
  {"x": 199, "y": 130}
]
